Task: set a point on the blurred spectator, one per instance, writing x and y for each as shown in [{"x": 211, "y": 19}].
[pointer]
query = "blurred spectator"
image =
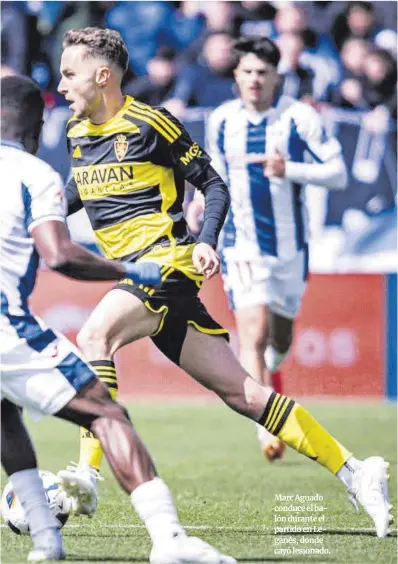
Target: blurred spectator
[
  {"x": 48, "y": 14},
  {"x": 158, "y": 84},
  {"x": 358, "y": 20},
  {"x": 13, "y": 52},
  {"x": 296, "y": 81},
  {"x": 320, "y": 54},
  {"x": 323, "y": 14},
  {"x": 217, "y": 16},
  {"x": 254, "y": 17},
  {"x": 348, "y": 93},
  {"x": 369, "y": 82},
  {"x": 380, "y": 81},
  {"x": 209, "y": 82},
  {"x": 145, "y": 26},
  {"x": 387, "y": 40}
]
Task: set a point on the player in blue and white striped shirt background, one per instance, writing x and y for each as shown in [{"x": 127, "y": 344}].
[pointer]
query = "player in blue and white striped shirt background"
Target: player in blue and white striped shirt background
[{"x": 267, "y": 148}]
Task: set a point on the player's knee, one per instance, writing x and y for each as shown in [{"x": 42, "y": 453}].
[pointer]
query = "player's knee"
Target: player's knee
[{"x": 93, "y": 344}]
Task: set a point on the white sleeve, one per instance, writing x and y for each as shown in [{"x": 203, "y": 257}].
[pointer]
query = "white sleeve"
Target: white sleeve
[
  {"x": 214, "y": 149},
  {"x": 327, "y": 168},
  {"x": 44, "y": 199}
]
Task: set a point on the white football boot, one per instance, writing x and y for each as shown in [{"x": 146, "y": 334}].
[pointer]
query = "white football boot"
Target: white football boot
[
  {"x": 47, "y": 546},
  {"x": 370, "y": 489},
  {"x": 182, "y": 549},
  {"x": 80, "y": 485}
]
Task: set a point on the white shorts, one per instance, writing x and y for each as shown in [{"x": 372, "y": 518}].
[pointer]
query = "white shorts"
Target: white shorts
[
  {"x": 41, "y": 370},
  {"x": 265, "y": 280}
]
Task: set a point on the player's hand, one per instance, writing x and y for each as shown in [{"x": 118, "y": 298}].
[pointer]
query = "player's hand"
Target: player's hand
[
  {"x": 206, "y": 260},
  {"x": 143, "y": 272},
  {"x": 274, "y": 165},
  {"x": 194, "y": 214}
]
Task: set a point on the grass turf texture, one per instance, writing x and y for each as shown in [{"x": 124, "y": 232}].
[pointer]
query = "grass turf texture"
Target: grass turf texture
[{"x": 224, "y": 488}]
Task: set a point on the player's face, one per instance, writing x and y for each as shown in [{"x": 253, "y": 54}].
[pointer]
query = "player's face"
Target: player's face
[
  {"x": 256, "y": 80},
  {"x": 79, "y": 81}
]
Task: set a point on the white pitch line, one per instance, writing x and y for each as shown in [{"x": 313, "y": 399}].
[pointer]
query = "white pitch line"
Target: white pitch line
[{"x": 217, "y": 528}]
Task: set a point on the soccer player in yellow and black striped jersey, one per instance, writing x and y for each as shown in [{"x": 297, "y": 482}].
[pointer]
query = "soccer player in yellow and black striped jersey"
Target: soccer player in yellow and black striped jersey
[{"x": 129, "y": 163}]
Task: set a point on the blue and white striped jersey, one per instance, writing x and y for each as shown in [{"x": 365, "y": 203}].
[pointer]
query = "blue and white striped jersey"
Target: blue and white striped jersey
[
  {"x": 31, "y": 192},
  {"x": 268, "y": 216}
]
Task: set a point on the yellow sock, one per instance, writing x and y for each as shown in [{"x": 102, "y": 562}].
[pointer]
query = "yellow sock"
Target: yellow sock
[
  {"x": 91, "y": 452},
  {"x": 293, "y": 425}
]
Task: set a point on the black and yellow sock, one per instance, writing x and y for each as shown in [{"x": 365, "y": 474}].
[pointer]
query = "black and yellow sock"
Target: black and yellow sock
[
  {"x": 293, "y": 425},
  {"x": 90, "y": 448}
]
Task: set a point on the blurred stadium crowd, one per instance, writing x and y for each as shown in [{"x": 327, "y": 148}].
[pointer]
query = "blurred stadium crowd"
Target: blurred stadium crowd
[{"x": 338, "y": 56}]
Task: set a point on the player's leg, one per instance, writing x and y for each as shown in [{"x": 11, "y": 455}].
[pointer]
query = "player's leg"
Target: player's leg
[
  {"x": 249, "y": 289},
  {"x": 132, "y": 466},
  {"x": 119, "y": 318},
  {"x": 18, "y": 459},
  {"x": 252, "y": 327},
  {"x": 46, "y": 375},
  {"x": 286, "y": 289},
  {"x": 280, "y": 337},
  {"x": 219, "y": 370}
]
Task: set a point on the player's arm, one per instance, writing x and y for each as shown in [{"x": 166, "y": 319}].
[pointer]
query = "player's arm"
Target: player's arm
[
  {"x": 45, "y": 218},
  {"x": 193, "y": 163},
  {"x": 213, "y": 129},
  {"x": 55, "y": 247},
  {"x": 327, "y": 168}
]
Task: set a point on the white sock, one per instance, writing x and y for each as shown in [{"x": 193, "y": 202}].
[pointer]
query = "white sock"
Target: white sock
[
  {"x": 273, "y": 358},
  {"x": 347, "y": 471},
  {"x": 155, "y": 506},
  {"x": 28, "y": 487}
]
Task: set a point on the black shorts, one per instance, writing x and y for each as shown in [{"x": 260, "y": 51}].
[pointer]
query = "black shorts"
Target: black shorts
[{"x": 176, "y": 298}]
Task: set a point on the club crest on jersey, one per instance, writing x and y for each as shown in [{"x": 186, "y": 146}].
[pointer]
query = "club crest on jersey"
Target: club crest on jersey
[{"x": 121, "y": 145}]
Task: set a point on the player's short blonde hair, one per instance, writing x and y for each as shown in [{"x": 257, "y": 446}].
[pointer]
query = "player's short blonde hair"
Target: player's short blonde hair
[{"x": 105, "y": 43}]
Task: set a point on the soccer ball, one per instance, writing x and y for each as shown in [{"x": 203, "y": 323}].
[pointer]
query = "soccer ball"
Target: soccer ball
[{"x": 14, "y": 515}]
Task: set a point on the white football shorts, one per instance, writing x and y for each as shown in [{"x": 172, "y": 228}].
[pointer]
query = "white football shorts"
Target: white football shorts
[
  {"x": 41, "y": 370},
  {"x": 265, "y": 280}
]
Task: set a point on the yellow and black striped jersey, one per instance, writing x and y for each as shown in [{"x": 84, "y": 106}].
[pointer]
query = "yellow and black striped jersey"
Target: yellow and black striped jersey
[{"x": 129, "y": 173}]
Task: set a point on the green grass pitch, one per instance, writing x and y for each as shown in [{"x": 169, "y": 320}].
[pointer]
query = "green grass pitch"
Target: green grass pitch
[{"x": 224, "y": 489}]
